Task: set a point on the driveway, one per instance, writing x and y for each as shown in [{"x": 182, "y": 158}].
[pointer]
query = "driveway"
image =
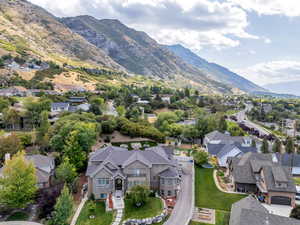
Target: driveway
[
  {"x": 182, "y": 212},
  {"x": 280, "y": 210}
]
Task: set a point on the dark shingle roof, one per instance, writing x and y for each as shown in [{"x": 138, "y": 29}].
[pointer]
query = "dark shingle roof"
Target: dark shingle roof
[
  {"x": 170, "y": 172},
  {"x": 249, "y": 211}
]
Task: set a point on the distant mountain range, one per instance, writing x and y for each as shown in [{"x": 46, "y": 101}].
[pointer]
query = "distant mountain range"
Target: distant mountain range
[
  {"x": 30, "y": 30},
  {"x": 214, "y": 70},
  {"x": 290, "y": 87}
]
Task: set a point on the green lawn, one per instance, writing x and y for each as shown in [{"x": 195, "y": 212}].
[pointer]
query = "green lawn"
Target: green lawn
[
  {"x": 102, "y": 217},
  {"x": 222, "y": 218},
  {"x": 153, "y": 207},
  {"x": 18, "y": 216},
  {"x": 207, "y": 193}
]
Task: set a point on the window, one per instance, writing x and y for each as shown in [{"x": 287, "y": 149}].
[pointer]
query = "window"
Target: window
[
  {"x": 162, "y": 181},
  {"x": 170, "y": 182},
  {"x": 162, "y": 192},
  {"x": 169, "y": 193},
  {"x": 103, "y": 195},
  {"x": 103, "y": 181}
]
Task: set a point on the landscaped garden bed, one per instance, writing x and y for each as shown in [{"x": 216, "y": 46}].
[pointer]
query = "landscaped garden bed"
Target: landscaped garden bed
[
  {"x": 99, "y": 217},
  {"x": 18, "y": 216},
  {"x": 222, "y": 218}
]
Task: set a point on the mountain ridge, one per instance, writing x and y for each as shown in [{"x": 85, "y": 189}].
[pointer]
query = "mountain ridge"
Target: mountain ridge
[{"x": 214, "y": 70}]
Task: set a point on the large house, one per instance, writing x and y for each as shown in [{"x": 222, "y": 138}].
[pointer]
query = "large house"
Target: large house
[
  {"x": 263, "y": 175},
  {"x": 222, "y": 146},
  {"x": 250, "y": 211},
  {"x": 114, "y": 170}
]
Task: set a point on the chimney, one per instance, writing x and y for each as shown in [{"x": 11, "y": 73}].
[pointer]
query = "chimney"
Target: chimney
[{"x": 7, "y": 157}]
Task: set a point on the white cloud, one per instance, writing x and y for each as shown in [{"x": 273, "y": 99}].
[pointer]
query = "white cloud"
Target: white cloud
[
  {"x": 290, "y": 8},
  {"x": 272, "y": 72},
  {"x": 193, "y": 23}
]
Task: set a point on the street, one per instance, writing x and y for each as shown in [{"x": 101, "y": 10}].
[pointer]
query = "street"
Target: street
[{"x": 182, "y": 212}]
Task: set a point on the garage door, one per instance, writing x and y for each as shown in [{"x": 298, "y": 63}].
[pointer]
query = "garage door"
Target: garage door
[{"x": 280, "y": 200}]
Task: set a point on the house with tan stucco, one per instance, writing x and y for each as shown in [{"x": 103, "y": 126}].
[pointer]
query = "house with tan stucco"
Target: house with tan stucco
[{"x": 116, "y": 170}]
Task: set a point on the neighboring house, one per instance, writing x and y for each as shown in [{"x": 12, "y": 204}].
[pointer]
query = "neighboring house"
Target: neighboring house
[
  {"x": 82, "y": 107},
  {"x": 262, "y": 174},
  {"x": 77, "y": 100},
  {"x": 290, "y": 160},
  {"x": 267, "y": 108},
  {"x": 188, "y": 122},
  {"x": 14, "y": 91},
  {"x": 250, "y": 211},
  {"x": 44, "y": 166},
  {"x": 113, "y": 169},
  {"x": 58, "y": 107},
  {"x": 166, "y": 99},
  {"x": 222, "y": 146}
]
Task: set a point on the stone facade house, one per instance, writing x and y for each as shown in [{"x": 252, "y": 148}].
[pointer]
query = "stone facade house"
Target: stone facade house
[
  {"x": 114, "y": 169},
  {"x": 262, "y": 174}
]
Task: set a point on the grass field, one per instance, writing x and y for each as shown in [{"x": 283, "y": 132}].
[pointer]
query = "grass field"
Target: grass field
[
  {"x": 101, "y": 217},
  {"x": 208, "y": 195},
  {"x": 153, "y": 207}
]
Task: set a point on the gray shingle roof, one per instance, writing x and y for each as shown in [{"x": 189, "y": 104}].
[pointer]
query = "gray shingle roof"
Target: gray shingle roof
[
  {"x": 60, "y": 105},
  {"x": 170, "y": 172},
  {"x": 249, "y": 211},
  {"x": 123, "y": 157}
]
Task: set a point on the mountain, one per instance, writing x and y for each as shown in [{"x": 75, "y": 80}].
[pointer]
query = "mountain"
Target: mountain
[
  {"x": 29, "y": 29},
  {"x": 215, "y": 71},
  {"x": 290, "y": 87},
  {"x": 139, "y": 53}
]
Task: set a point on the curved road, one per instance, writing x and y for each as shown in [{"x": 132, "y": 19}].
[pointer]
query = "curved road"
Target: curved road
[{"x": 183, "y": 210}]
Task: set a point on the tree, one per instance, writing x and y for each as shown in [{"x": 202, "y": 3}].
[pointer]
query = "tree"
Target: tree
[
  {"x": 201, "y": 157},
  {"x": 42, "y": 131},
  {"x": 202, "y": 127},
  {"x": 63, "y": 208},
  {"x": 10, "y": 144},
  {"x": 4, "y": 103},
  {"x": 222, "y": 124},
  {"x": 35, "y": 108},
  {"x": 74, "y": 151},
  {"x": 121, "y": 110},
  {"x": 265, "y": 146},
  {"x": 97, "y": 105},
  {"x": 18, "y": 183},
  {"x": 191, "y": 133},
  {"x": 139, "y": 195},
  {"x": 277, "y": 146},
  {"x": 290, "y": 146},
  {"x": 295, "y": 213},
  {"x": 66, "y": 172},
  {"x": 11, "y": 117},
  {"x": 253, "y": 144}
]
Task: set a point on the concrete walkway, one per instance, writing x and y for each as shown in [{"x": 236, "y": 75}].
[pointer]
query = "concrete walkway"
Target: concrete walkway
[
  {"x": 77, "y": 213},
  {"x": 119, "y": 205}
]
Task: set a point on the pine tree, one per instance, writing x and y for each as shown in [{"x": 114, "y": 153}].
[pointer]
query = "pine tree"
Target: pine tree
[
  {"x": 265, "y": 146},
  {"x": 290, "y": 147},
  {"x": 18, "y": 183},
  {"x": 63, "y": 208},
  {"x": 277, "y": 146}
]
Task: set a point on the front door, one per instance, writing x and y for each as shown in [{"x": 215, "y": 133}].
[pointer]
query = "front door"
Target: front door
[{"x": 118, "y": 184}]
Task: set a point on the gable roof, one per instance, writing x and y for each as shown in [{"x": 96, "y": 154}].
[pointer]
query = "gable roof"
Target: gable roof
[
  {"x": 169, "y": 173},
  {"x": 249, "y": 211},
  {"x": 122, "y": 157}
]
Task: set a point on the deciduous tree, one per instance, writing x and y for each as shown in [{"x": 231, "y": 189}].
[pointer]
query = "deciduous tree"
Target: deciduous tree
[{"x": 18, "y": 183}]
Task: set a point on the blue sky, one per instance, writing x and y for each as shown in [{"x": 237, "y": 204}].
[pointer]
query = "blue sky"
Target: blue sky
[{"x": 259, "y": 39}]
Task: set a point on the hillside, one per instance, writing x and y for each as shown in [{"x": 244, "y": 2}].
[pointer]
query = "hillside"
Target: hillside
[
  {"x": 215, "y": 71},
  {"x": 27, "y": 29},
  {"x": 139, "y": 53}
]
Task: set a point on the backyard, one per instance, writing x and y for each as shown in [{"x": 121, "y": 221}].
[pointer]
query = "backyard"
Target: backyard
[
  {"x": 207, "y": 195},
  {"x": 152, "y": 208},
  {"x": 101, "y": 217}
]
